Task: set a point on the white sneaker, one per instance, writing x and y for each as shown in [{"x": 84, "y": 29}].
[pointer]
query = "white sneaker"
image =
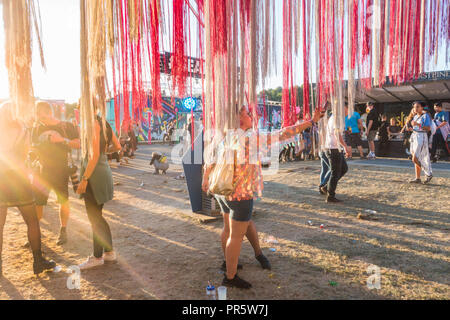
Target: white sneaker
[
  {"x": 91, "y": 262},
  {"x": 109, "y": 256}
]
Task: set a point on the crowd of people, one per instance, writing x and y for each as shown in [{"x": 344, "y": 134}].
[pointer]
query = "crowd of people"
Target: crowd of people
[
  {"x": 426, "y": 135},
  {"x": 335, "y": 148},
  {"x": 372, "y": 126},
  {"x": 38, "y": 160},
  {"x": 35, "y": 160}
]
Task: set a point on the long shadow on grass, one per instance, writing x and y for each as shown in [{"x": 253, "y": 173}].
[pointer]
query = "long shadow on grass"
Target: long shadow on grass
[
  {"x": 429, "y": 268},
  {"x": 399, "y": 214}
]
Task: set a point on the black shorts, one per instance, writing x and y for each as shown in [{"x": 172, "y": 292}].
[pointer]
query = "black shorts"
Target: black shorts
[
  {"x": 15, "y": 189},
  {"x": 352, "y": 139},
  {"x": 46, "y": 182},
  {"x": 239, "y": 210}
]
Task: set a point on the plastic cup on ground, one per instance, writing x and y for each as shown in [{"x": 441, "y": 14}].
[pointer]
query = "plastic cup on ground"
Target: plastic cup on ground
[{"x": 222, "y": 293}]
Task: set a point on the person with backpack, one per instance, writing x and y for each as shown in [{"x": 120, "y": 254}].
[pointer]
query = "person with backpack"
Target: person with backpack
[{"x": 421, "y": 124}]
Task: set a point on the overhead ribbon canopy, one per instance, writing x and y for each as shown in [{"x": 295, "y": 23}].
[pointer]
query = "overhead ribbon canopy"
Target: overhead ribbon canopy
[
  {"x": 366, "y": 41},
  {"x": 343, "y": 46},
  {"x": 19, "y": 18},
  {"x": 237, "y": 41}
]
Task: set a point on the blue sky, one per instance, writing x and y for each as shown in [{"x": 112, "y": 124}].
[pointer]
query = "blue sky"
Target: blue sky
[{"x": 61, "y": 80}]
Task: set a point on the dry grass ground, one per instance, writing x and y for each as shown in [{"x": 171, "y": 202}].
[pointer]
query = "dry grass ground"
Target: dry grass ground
[{"x": 166, "y": 253}]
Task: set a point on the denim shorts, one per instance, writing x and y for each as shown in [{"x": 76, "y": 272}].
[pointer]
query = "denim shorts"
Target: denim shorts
[{"x": 238, "y": 210}]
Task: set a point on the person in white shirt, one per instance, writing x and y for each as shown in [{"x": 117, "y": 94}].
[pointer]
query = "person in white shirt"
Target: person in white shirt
[
  {"x": 333, "y": 143},
  {"x": 421, "y": 124}
]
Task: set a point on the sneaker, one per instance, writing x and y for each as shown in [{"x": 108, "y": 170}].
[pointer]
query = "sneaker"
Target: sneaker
[
  {"x": 223, "y": 267},
  {"x": 428, "y": 179},
  {"x": 41, "y": 264},
  {"x": 236, "y": 282},
  {"x": 109, "y": 256},
  {"x": 265, "y": 264},
  {"x": 333, "y": 200},
  {"x": 416, "y": 180},
  {"x": 91, "y": 262},
  {"x": 62, "y": 238}
]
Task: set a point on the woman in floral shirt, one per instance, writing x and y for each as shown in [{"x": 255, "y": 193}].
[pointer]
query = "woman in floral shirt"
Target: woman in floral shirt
[{"x": 247, "y": 182}]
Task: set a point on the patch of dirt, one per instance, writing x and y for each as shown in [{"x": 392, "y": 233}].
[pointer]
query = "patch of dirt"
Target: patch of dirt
[{"x": 166, "y": 253}]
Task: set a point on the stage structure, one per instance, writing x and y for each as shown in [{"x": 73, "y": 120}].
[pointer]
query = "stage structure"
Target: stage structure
[{"x": 154, "y": 127}]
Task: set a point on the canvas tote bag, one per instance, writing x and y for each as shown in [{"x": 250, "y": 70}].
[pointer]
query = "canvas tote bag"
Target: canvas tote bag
[{"x": 222, "y": 175}]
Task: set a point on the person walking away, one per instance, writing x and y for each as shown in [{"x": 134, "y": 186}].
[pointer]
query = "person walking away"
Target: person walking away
[
  {"x": 372, "y": 128},
  {"x": 338, "y": 165},
  {"x": 53, "y": 140},
  {"x": 383, "y": 133},
  {"x": 15, "y": 186},
  {"x": 441, "y": 119},
  {"x": 96, "y": 187},
  {"x": 352, "y": 135},
  {"x": 238, "y": 207},
  {"x": 419, "y": 143}
]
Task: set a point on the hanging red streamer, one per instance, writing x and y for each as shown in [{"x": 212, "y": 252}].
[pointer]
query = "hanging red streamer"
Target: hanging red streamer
[{"x": 179, "y": 72}]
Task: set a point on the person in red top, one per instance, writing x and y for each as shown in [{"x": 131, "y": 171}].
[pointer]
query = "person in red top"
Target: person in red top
[{"x": 247, "y": 181}]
